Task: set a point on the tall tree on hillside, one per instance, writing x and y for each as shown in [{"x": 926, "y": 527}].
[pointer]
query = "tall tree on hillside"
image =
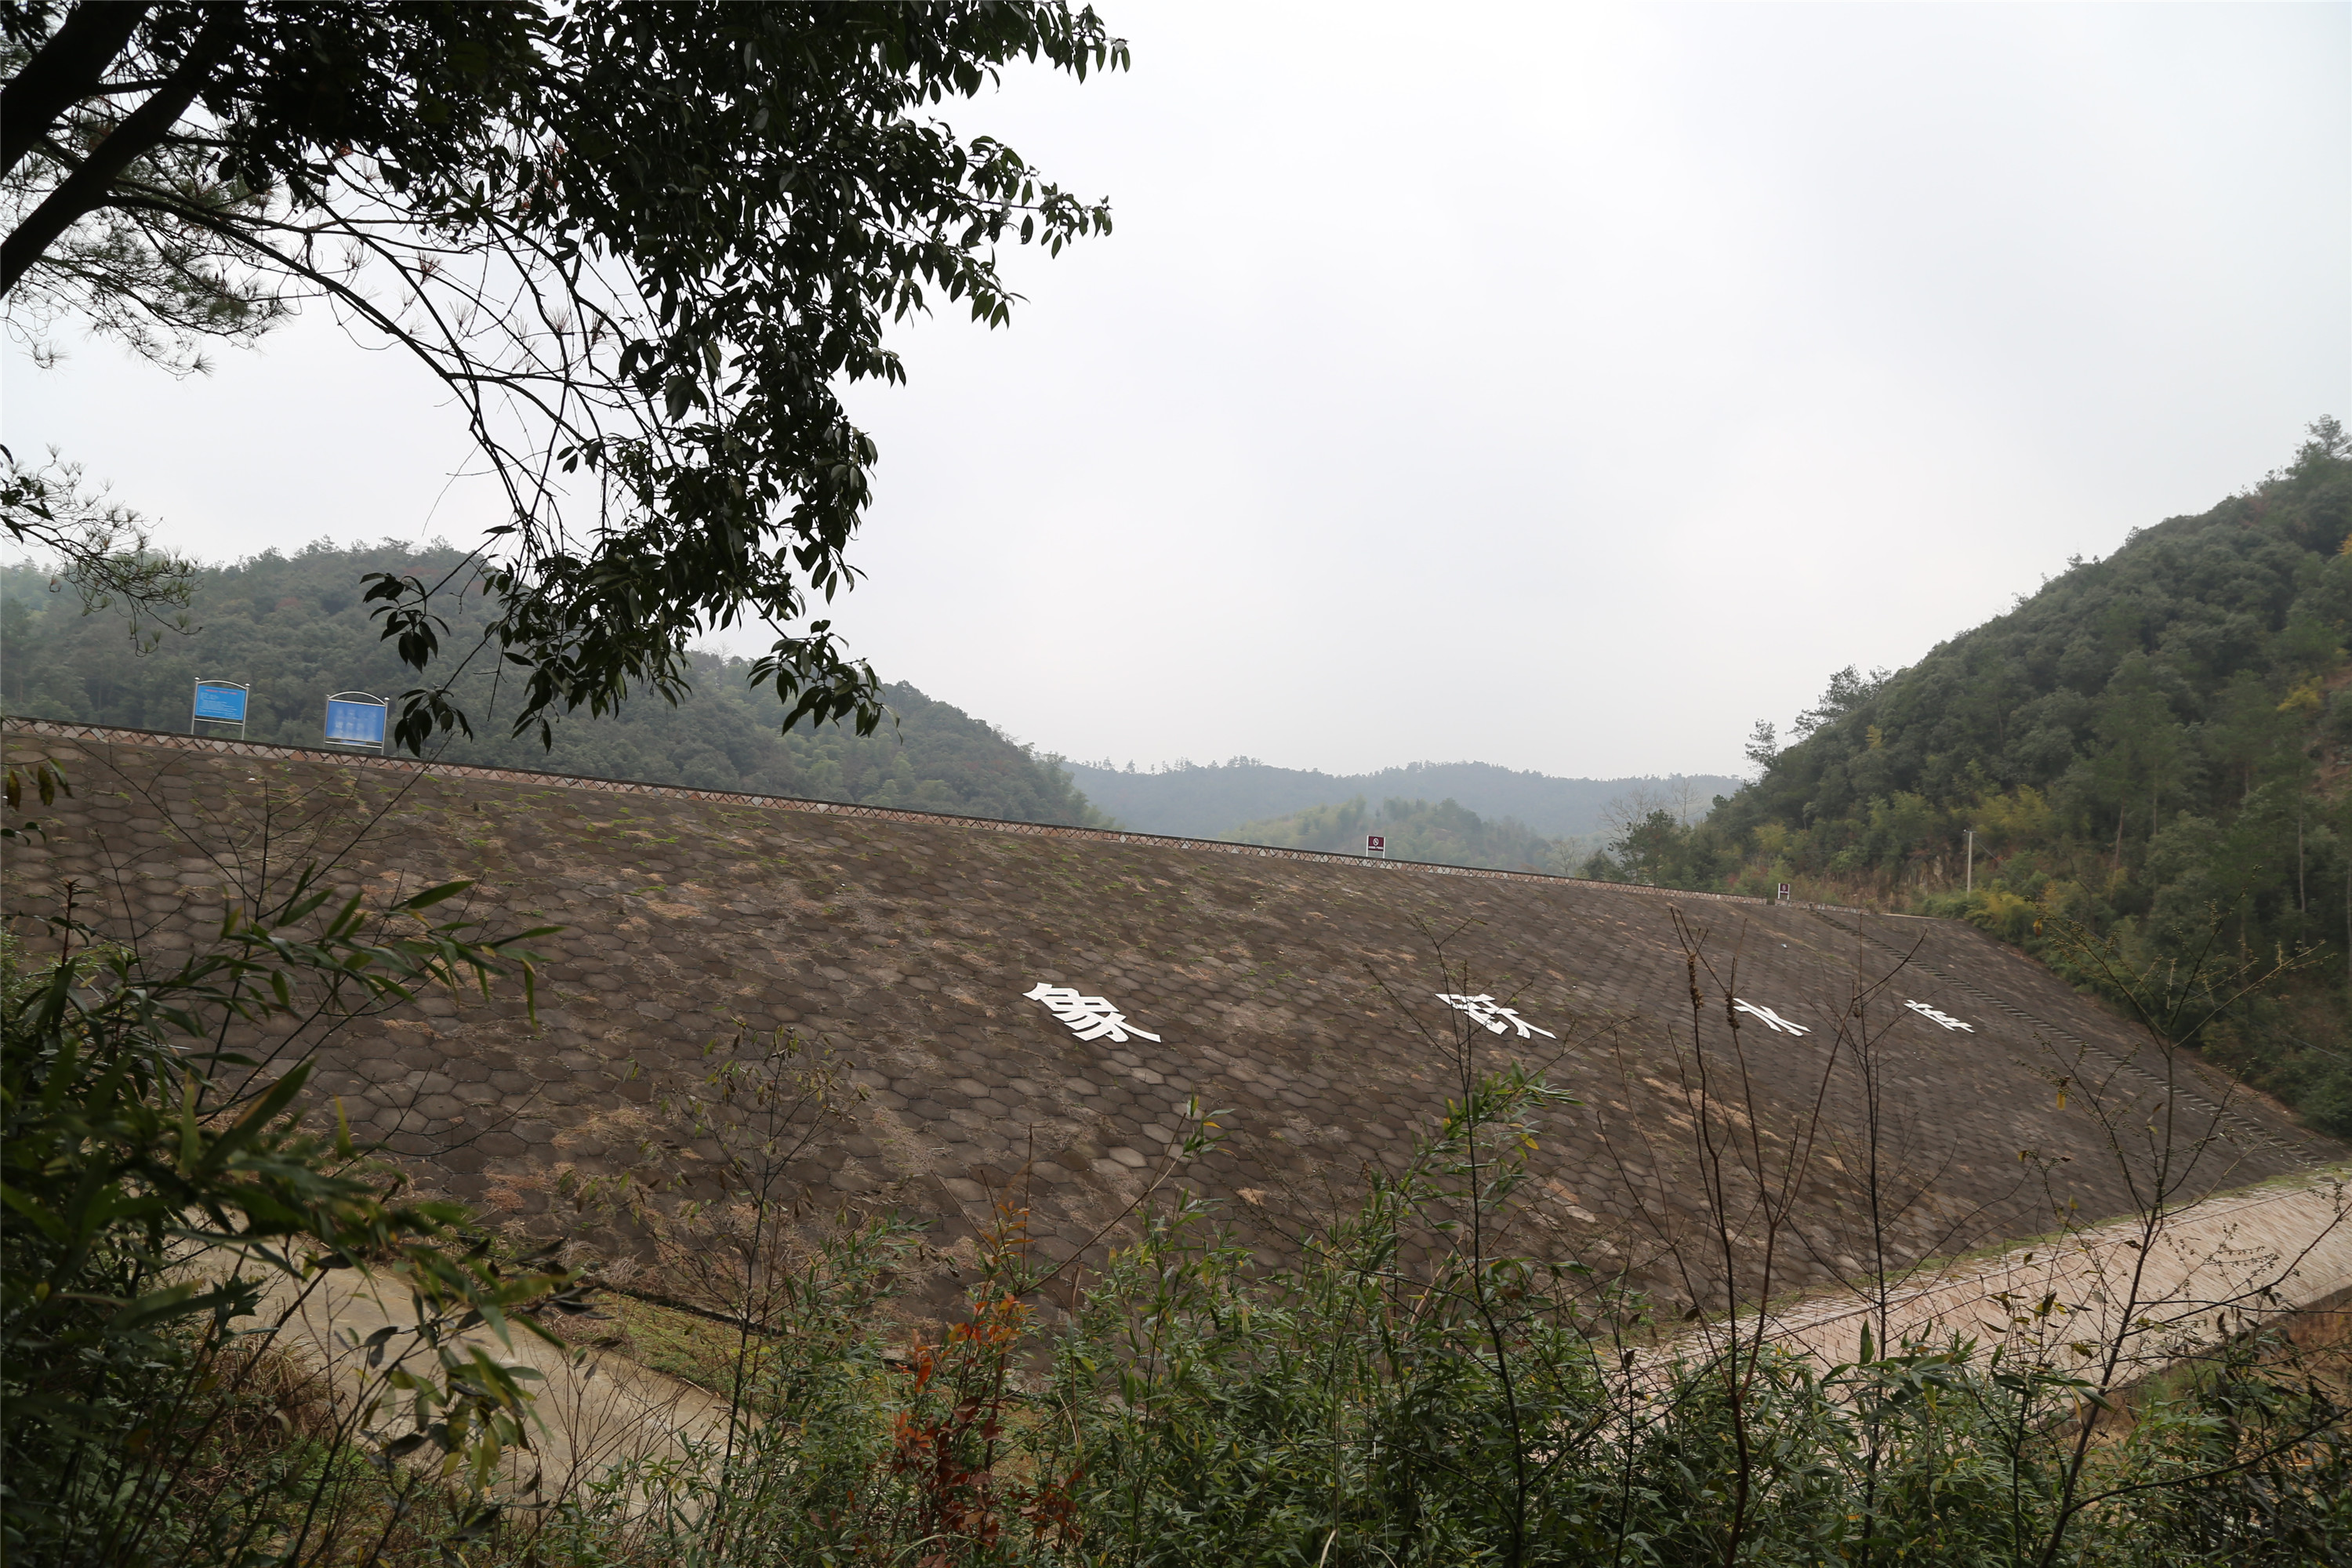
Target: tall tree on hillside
[
  {"x": 1848, "y": 690},
  {"x": 2141, "y": 743},
  {"x": 1989, "y": 702},
  {"x": 643, "y": 246},
  {"x": 1646, "y": 848},
  {"x": 2246, "y": 733}
]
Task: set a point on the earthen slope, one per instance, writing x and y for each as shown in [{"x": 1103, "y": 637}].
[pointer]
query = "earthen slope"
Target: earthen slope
[{"x": 1298, "y": 994}]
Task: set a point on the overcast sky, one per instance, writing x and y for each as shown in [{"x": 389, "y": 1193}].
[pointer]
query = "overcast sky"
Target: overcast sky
[{"x": 1559, "y": 386}]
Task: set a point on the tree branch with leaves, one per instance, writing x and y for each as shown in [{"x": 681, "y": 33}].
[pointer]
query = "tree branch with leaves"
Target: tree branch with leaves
[{"x": 644, "y": 248}]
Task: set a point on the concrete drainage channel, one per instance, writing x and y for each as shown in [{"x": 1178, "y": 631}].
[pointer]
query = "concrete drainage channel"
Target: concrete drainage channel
[
  {"x": 597, "y": 1409},
  {"x": 2150, "y": 1296},
  {"x": 2231, "y": 1263}
]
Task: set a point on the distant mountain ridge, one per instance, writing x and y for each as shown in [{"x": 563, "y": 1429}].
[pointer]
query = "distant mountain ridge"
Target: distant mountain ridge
[{"x": 1213, "y": 799}]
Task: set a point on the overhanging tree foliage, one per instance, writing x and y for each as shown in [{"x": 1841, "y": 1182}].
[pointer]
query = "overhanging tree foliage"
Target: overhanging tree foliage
[{"x": 643, "y": 245}]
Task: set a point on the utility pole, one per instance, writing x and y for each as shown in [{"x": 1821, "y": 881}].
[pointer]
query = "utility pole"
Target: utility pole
[{"x": 1972, "y": 859}]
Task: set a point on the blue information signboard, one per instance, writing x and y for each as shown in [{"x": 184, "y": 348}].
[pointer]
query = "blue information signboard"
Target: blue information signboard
[
  {"x": 356, "y": 719},
  {"x": 221, "y": 702}
]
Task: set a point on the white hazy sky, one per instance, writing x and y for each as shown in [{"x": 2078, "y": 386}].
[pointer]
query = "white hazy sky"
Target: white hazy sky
[{"x": 1559, "y": 386}]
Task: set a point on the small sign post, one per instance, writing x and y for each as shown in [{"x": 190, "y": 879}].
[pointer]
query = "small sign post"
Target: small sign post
[
  {"x": 356, "y": 718},
  {"x": 220, "y": 702},
  {"x": 1784, "y": 892},
  {"x": 1376, "y": 844}
]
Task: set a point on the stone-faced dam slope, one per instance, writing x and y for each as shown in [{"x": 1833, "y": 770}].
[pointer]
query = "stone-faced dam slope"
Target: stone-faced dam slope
[{"x": 1974, "y": 1094}]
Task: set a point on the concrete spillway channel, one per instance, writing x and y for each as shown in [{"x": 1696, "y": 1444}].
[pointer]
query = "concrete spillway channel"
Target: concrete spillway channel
[
  {"x": 2150, "y": 1290},
  {"x": 593, "y": 1409}
]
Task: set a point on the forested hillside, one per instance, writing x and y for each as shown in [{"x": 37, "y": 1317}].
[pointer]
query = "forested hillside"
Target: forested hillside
[
  {"x": 1208, "y": 799},
  {"x": 2154, "y": 745},
  {"x": 1446, "y": 833},
  {"x": 294, "y": 627}
]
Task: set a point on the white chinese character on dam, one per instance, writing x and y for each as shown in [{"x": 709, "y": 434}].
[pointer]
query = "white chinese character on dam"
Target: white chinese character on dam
[
  {"x": 1772, "y": 1020},
  {"x": 1493, "y": 1015},
  {"x": 1089, "y": 1017},
  {"x": 1941, "y": 1017}
]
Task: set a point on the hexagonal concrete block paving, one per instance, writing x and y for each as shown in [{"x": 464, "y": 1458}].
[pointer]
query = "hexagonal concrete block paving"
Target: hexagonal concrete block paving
[{"x": 961, "y": 1022}]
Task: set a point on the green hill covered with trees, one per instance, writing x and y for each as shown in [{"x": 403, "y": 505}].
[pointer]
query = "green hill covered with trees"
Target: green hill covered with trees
[
  {"x": 293, "y": 626},
  {"x": 1446, "y": 833},
  {"x": 2153, "y": 746}
]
